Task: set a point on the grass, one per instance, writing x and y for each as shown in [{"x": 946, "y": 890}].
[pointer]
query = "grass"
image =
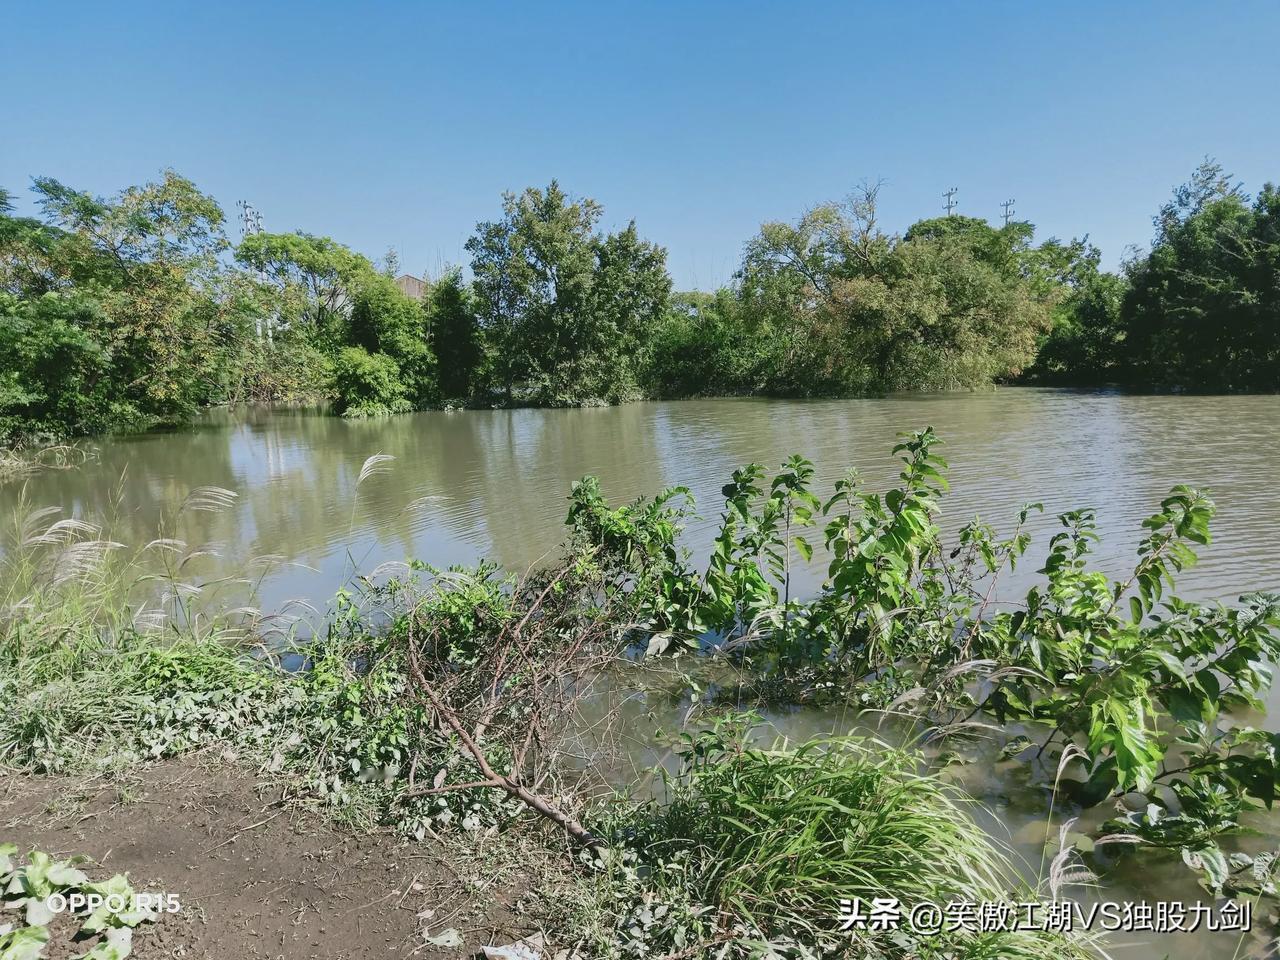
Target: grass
[
  {"x": 781, "y": 835},
  {"x": 111, "y": 655},
  {"x": 90, "y": 637},
  {"x": 754, "y": 849},
  {"x": 17, "y": 464}
]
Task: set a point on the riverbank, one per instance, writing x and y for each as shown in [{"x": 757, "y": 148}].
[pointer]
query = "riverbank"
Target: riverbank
[{"x": 457, "y": 713}]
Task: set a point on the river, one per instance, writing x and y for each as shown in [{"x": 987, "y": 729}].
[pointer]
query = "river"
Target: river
[{"x": 492, "y": 484}]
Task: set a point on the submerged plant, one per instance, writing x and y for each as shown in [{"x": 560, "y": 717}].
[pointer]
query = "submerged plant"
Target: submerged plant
[{"x": 1134, "y": 689}]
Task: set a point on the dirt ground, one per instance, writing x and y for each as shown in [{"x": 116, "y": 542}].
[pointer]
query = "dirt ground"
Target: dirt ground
[{"x": 257, "y": 878}]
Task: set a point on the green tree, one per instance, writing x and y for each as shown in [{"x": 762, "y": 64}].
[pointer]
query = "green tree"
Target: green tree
[
  {"x": 560, "y": 305},
  {"x": 705, "y": 346},
  {"x": 1086, "y": 344},
  {"x": 384, "y": 320},
  {"x": 317, "y": 279},
  {"x": 27, "y": 250},
  {"x": 149, "y": 260},
  {"x": 849, "y": 309},
  {"x": 329, "y": 298},
  {"x": 630, "y": 293},
  {"x": 56, "y": 376},
  {"x": 456, "y": 337},
  {"x": 1203, "y": 310}
]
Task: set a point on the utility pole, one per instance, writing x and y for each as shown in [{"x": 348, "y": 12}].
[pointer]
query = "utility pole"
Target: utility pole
[
  {"x": 951, "y": 203},
  {"x": 1008, "y": 211}
]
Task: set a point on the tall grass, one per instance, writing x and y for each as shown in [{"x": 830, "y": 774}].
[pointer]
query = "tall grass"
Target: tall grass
[
  {"x": 87, "y": 625},
  {"x": 17, "y": 464},
  {"x": 783, "y": 835},
  {"x": 769, "y": 842}
]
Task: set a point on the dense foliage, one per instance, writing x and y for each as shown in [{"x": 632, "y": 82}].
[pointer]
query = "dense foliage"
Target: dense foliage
[
  {"x": 833, "y": 306},
  {"x": 135, "y": 311},
  {"x": 1107, "y": 689},
  {"x": 116, "y": 313},
  {"x": 364, "y": 338},
  {"x": 751, "y": 847},
  {"x": 1199, "y": 311},
  {"x": 564, "y": 309},
  {"x": 1203, "y": 311}
]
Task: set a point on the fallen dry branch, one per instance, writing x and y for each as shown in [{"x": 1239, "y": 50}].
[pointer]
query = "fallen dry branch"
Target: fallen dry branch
[{"x": 522, "y": 696}]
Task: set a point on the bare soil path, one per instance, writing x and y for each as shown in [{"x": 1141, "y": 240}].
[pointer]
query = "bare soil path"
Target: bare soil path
[{"x": 256, "y": 878}]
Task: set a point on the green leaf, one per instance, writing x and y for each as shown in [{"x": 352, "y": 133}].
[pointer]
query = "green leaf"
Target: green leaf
[
  {"x": 7, "y": 850},
  {"x": 64, "y": 875},
  {"x": 25, "y": 943},
  {"x": 104, "y": 917},
  {"x": 116, "y": 946},
  {"x": 1183, "y": 705},
  {"x": 1135, "y": 609},
  {"x": 1211, "y": 863},
  {"x": 38, "y": 912},
  {"x": 805, "y": 549}
]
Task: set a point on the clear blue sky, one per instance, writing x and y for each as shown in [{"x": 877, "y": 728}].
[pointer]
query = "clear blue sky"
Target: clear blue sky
[{"x": 400, "y": 124}]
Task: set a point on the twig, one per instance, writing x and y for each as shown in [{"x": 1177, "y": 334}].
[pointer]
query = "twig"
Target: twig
[{"x": 252, "y": 826}]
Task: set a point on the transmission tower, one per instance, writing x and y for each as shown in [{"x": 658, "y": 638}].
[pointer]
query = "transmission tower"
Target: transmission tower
[
  {"x": 1008, "y": 211},
  {"x": 950, "y": 196},
  {"x": 251, "y": 223},
  {"x": 250, "y": 218}
]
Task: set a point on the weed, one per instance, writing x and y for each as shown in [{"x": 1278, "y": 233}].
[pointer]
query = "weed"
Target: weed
[
  {"x": 105, "y": 919},
  {"x": 754, "y": 849}
]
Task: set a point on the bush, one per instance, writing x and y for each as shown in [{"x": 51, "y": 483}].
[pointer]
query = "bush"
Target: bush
[
  {"x": 706, "y": 346},
  {"x": 386, "y": 322},
  {"x": 290, "y": 370},
  {"x": 56, "y": 377},
  {"x": 368, "y": 384}
]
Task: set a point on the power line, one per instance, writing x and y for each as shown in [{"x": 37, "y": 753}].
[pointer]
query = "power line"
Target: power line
[
  {"x": 951, "y": 203},
  {"x": 1008, "y": 211}
]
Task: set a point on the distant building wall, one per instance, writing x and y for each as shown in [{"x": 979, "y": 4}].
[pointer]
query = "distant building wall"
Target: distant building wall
[{"x": 412, "y": 286}]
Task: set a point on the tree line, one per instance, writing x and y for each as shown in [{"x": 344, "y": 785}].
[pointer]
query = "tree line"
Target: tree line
[
  {"x": 1198, "y": 311},
  {"x": 133, "y": 311}
]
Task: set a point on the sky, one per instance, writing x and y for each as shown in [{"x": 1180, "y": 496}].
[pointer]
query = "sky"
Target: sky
[{"x": 401, "y": 124}]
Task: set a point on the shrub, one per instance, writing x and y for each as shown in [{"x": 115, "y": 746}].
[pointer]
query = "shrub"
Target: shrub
[
  {"x": 368, "y": 384},
  {"x": 56, "y": 377}
]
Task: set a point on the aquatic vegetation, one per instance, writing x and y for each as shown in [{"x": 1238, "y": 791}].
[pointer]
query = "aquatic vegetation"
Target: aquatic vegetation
[
  {"x": 754, "y": 849},
  {"x": 440, "y": 699},
  {"x": 1128, "y": 690},
  {"x": 886, "y": 587},
  {"x": 18, "y": 464}
]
